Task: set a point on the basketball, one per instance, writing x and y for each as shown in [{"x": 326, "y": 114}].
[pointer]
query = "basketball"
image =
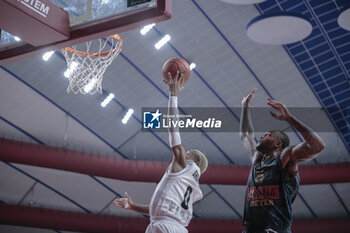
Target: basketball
[{"x": 176, "y": 64}]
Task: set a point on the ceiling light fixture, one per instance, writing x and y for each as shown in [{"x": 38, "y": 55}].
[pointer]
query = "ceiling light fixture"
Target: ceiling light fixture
[
  {"x": 90, "y": 85},
  {"x": 107, "y": 100},
  {"x": 279, "y": 28},
  {"x": 192, "y": 66},
  {"x": 162, "y": 41},
  {"x": 344, "y": 18},
  {"x": 146, "y": 28},
  {"x": 243, "y": 2},
  {"x": 70, "y": 69},
  {"x": 47, "y": 55},
  {"x": 127, "y": 115}
]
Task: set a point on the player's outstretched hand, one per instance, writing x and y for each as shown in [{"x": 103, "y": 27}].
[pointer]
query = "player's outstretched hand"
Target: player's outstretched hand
[
  {"x": 282, "y": 112},
  {"x": 246, "y": 100},
  {"x": 125, "y": 202},
  {"x": 174, "y": 83}
]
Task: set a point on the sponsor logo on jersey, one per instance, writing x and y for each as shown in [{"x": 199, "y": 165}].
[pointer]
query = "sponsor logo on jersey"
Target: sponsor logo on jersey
[
  {"x": 264, "y": 192},
  {"x": 259, "y": 176},
  {"x": 196, "y": 175},
  {"x": 263, "y": 196}
]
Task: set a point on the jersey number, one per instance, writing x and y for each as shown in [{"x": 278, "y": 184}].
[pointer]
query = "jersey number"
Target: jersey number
[{"x": 187, "y": 197}]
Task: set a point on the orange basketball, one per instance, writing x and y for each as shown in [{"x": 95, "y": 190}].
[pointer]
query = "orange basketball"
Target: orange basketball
[{"x": 176, "y": 64}]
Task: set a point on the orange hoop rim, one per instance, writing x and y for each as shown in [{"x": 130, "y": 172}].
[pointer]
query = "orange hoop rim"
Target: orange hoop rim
[{"x": 103, "y": 54}]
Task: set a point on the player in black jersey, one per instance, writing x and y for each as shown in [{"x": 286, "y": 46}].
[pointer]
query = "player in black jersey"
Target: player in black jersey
[{"x": 274, "y": 180}]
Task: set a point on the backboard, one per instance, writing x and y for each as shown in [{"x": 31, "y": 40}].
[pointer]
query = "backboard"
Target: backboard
[{"x": 89, "y": 20}]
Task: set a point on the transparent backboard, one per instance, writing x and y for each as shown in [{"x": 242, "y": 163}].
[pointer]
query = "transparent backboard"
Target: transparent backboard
[
  {"x": 84, "y": 11},
  {"x": 87, "y": 11}
]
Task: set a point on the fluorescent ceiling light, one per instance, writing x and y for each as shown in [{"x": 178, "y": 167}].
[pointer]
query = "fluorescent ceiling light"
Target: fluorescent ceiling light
[
  {"x": 107, "y": 100},
  {"x": 192, "y": 66},
  {"x": 90, "y": 85},
  {"x": 146, "y": 28},
  {"x": 162, "y": 41},
  {"x": 47, "y": 55},
  {"x": 70, "y": 69},
  {"x": 127, "y": 116}
]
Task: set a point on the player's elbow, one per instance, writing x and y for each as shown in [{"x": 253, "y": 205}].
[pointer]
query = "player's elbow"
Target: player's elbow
[
  {"x": 245, "y": 136},
  {"x": 318, "y": 148},
  {"x": 241, "y": 135},
  {"x": 322, "y": 146}
]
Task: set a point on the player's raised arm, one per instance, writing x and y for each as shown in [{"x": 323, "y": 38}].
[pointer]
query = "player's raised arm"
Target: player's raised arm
[
  {"x": 179, "y": 160},
  {"x": 246, "y": 128},
  {"x": 128, "y": 204},
  {"x": 313, "y": 144}
]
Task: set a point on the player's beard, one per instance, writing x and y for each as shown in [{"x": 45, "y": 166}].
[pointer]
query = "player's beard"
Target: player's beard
[{"x": 263, "y": 147}]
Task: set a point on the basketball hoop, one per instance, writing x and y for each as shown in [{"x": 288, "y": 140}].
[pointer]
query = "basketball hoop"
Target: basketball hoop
[{"x": 85, "y": 69}]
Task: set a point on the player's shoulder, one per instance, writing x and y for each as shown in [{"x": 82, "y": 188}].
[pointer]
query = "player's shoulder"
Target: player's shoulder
[
  {"x": 191, "y": 169},
  {"x": 286, "y": 155},
  {"x": 288, "y": 149}
]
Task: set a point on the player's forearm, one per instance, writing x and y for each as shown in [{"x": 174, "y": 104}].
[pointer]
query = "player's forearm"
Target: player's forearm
[
  {"x": 314, "y": 141},
  {"x": 173, "y": 111},
  {"x": 246, "y": 126},
  {"x": 246, "y": 132},
  {"x": 143, "y": 209}
]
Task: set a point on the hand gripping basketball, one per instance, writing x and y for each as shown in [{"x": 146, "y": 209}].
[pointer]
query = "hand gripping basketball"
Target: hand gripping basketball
[{"x": 174, "y": 65}]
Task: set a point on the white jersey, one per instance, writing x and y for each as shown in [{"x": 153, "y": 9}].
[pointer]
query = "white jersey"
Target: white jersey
[{"x": 176, "y": 193}]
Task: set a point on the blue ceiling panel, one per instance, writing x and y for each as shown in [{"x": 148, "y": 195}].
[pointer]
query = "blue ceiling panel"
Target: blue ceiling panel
[
  {"x": 323, "y": 9},
  {"x": 335, "y": 33},
  {"x": 319, "y": 49},
  {"x": 325, "y": 94},
  {"x": 343, "y": 48},
  {"x": 339, "y": 88},
  {"x": 336, "y": 80},
  {"x": 331, "y": 25},
  {"x": 297, "y": 49},
  {"x": 327, "y": 70},
  {"x": 314, "y": 41},
  {"x": 267, "y": 4},
  {"x": 325, "y": 56},
  {"x": 329, "y": 101},
  {"x": 326, "y": 65},
  {"x": 345, "y": 104},
  {"x": 307, "y": 65},
  {"x": 315, "y": 80},
  {"x": 345, "y": 57},
  {"x": 302, "y": 57},
  {"x": 330, "y": 15},
  {"x": 341, "y": 40},
  {"x": 333, "y": 71},
  {"x": 337, "y": 116},
  {"x": 300, "y": 8},
  {"x": 311, "y": 72},
  {"x": 320, "y": 87},
  {"x": 348, "y": 137}
]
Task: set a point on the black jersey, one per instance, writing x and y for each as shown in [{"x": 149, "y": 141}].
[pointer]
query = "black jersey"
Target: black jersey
[{"x": 269, "y": 196}]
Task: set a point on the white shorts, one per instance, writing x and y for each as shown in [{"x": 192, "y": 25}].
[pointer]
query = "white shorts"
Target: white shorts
[{"x": 165, "y": 226}]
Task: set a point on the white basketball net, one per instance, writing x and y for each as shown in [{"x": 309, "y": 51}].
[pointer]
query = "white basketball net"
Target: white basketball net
[{"x": 85, "y": 69}]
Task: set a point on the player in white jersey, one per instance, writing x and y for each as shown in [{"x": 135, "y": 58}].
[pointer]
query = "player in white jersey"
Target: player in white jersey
[{"x": 172, "y": 202}]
